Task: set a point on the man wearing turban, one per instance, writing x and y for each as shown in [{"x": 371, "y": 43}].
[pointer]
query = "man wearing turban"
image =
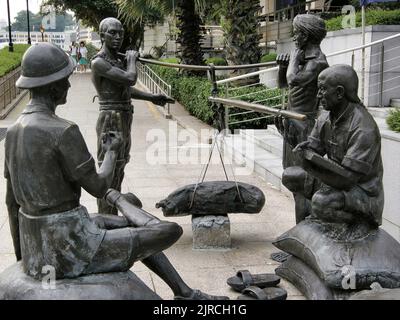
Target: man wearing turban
[{"x": 299, "y": 72}]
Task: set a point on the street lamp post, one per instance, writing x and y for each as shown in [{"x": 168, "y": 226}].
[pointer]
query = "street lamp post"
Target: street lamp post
[
  {"x": 10, "y": 44},
  {"x": 27, "y": 17},
  {"x": 42, "y": 32}
]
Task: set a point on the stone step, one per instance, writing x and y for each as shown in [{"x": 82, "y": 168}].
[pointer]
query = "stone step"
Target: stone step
[
  {"x": 264, "y": 163},
  {"x": 395, "y": 102},
  {"x": 381, "y": 113},
  {"x": 267, "y": 140}
]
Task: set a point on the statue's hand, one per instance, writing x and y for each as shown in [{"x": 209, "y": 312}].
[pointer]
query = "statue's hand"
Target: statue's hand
[
  {"x": 283, "y": 59},
  {"x": 299, "y": 149},
  {"x": 112, "y": 132},
  {"x": 161, "y": 99},
  {"x": 278, "y": 120},
  {"x": 131, "y": 56},
  {"x": 299, "y": 56}
]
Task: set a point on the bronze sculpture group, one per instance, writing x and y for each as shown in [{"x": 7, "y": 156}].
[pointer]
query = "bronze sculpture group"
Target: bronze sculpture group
[{"x": 332, "y": 165}]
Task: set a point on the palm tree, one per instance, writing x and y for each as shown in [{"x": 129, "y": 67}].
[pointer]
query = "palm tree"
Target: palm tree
[
  {"x": 190, "y": 35},
  {"x": 240, "y": 26},
  {"x": 188, "y": 17}
]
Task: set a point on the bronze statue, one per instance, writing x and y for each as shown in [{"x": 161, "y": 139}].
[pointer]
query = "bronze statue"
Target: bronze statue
[
  {"x": 352, "y": 189},
  {"x": 113, "y": 79},
  {"x": 339, "y": 249},
  {"x": 299, "y": 71},
  {"x": 47, "y": 163}
]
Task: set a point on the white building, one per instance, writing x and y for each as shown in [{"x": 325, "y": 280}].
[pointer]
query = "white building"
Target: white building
[
  {"x": 61, "y": 39},
  {"x": 3, "y": 24}
]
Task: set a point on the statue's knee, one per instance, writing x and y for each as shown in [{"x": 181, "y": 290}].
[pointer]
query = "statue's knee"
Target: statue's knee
[
  {"x": 318, "y": 203},
  {"x": 293, "y": 178},
  {"x": 173, "y": 231}
]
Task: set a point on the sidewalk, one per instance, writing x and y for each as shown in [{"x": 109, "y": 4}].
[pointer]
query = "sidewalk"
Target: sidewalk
[{"x": 252, "y": 235}]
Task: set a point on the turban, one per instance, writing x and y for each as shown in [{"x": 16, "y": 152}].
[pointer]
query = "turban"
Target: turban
[{"x": 311, "y": 25}]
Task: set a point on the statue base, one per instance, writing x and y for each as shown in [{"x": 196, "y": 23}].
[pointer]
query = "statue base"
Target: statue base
[
  {"x": 211, "y": 232},
  {"x": 16, "y": 285},
  {"x": 328, "y": 265}
]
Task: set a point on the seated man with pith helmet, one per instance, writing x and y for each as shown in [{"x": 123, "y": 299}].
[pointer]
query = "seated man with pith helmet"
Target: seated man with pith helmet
[{"x": 47, "y": 163}]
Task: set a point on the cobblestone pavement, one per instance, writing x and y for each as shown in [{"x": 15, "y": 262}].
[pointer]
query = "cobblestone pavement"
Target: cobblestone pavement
[{"x": 152, "y": 179}]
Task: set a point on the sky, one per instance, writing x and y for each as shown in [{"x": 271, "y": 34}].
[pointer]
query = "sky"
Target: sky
[{"x": 16, "y": 6}]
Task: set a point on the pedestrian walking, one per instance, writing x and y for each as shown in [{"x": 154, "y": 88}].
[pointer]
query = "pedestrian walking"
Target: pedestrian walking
[{"x": 83, "y": 61}]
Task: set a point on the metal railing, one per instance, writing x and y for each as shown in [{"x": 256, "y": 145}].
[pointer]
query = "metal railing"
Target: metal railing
[
  {"x": 153, "y": 82},
  {"x": 270, "y": 100},
  {"x": 379, "y": 56},
  {"x": 255, "y": 107},
  {"x": 8, "y": 90}
]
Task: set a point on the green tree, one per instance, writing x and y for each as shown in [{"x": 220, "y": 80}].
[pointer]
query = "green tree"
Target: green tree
[
  {"x": 35, "y": 20},
  {"x": 190, "y": 35},
  {"x": 240, "y": 25},
  {"x": 188, "y": 21},
  {"x": 91, "y": 12}
]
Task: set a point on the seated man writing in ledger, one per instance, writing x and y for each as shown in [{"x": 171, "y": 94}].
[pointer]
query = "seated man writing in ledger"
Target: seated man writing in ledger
[{"x": 352, "y": 190}]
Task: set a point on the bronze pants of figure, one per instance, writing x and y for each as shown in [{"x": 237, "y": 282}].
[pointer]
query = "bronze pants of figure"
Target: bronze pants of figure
[
  {"x": 301, "y": 183},
  {"x": 123, "y": 155}
]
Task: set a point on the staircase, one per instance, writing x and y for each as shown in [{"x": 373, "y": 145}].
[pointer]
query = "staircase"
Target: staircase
[
  {"x": 267, "y": 156},
  {"x": 395, "y": 102}
]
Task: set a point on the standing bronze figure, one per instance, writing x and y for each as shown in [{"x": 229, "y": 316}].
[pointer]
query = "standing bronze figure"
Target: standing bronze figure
[
  {"x": 299, "y": 71},
  {"x": 113, "y": 79}
]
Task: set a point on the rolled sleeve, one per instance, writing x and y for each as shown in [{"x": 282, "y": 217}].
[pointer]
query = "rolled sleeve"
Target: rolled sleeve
[
  {"x": 362, "y": 149},
  {"x": 76, "y": 159}
]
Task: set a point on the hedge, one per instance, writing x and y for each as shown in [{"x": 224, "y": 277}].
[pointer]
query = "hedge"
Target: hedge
[
  {"x": 11, "y": 60},
  {"x": 193, "y": 93},
  {"x": 372, "y": 17},
  {"x": 268, "y": 57},
  {"x": 393, "y": 120},
  {"x": 217, "y": 61}
]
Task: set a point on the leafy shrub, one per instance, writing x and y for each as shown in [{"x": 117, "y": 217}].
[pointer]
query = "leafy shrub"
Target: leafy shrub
[
  {"x": 92, "y": 51},
  {"x": 257, "y": 94},
  {"x": 393, "y": 120},
  {"x": 217, "y": 61},
  {"x": 372, "y": 17},
  {"x": 268, "y": 57},
  {"x": 170, "y": 60},
  {"x": 193, "y": 93},
  {"x": 11, "y": 60}
]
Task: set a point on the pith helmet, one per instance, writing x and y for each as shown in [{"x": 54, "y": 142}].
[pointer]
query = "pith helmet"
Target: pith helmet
[{"x": 44, "y": 63}]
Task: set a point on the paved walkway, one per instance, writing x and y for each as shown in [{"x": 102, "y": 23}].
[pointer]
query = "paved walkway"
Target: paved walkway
[{"x": 153, "y": 180}]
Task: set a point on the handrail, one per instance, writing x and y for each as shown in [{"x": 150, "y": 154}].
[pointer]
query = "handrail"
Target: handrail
[
  {"x": 247, "y": 75},
  {"x": 206, "y": 68},
  {"x": 258, "y": 108},
  {"x": 363, "y": 46}
]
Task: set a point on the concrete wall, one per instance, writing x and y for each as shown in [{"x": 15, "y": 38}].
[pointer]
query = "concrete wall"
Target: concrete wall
[
  {"x": 391, "y": 66},
  {"x": 348, "y": 38},
  {"x": 154, "y": 37},
  {"x": 391, "y": 181},
  {"x": 269, "y": 78}
]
